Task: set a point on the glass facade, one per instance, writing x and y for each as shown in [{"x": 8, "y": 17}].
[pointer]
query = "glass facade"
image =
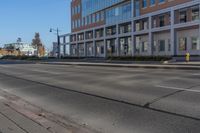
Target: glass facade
[
  {"x": 113, "y": 28},
  {"x": 118, "y": 13},
  {"x": 92, "y": 6}
]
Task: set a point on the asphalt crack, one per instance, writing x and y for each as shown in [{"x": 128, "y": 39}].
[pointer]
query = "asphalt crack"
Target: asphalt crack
[{"x": 148, "y": 104}]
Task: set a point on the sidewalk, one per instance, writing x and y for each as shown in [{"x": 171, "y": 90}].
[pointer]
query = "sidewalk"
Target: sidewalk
[
  {"x": 197, "y": 63},
  {"x": 20, "y": 116},
  {"x": 184, "y": 66},
  {"x": 14, "y": 122}
]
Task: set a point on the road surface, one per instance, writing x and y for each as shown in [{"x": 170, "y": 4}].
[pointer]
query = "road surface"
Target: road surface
[{"x": 109, "y": 99}]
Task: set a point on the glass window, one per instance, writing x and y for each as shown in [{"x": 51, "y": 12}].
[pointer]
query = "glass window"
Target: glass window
[
  {"x": 161, "y": 45},
  {"x": 152, "y": 2},
  {"x": 154, "y": 22},
  {"x": 89, "y": 35},
  {"x": 137, "y": 8},
  {"x": 195, "y": 43},
  {"x": 111, "y": 30},
  {"x": 144, "y": 3},
  {"x": 102, "y": 16},
  {"x": 97, "y": 17},
  {"x": 92, "y": 6},
  {"x": 183, "y": 16},
  {"x": 90, "y": 49},
  {"x": 195, "y": 13},
  {"x": 183, "y": 44},
  {"x": 93, "y": 18},
  {"x": 125, "y": 46},
  {"x": 144, "y": 24},
  {"x": 144, "y": 46},
  {"x": 160, "y": 1},
  {"x": 154, "y": 45},
  {"x": 137, "y": 47},
  {"x": 81, "y": 49},
  {"x": 162, "y": 21},
  {"x": 169, "y": 45},
  {"x": 137, "y": 25},
  {"x": 111, "y": 48},
  {"x": 119, "y": 13}
]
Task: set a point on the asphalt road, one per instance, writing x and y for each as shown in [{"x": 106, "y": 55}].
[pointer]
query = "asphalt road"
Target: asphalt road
[{"x": 111, "y": 100}]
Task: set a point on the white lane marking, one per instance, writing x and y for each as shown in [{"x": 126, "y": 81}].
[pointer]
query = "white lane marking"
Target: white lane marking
[{"x": 176, "y": 88}]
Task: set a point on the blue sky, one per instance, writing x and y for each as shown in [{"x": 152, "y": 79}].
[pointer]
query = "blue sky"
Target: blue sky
[{"x": 22, "y": 18}]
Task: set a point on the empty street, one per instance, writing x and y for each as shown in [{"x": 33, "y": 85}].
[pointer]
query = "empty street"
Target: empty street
[{"x": 109, "y": 99}]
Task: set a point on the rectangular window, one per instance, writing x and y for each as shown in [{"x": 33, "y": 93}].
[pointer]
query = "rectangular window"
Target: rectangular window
[
  {"x": 137, "y": 8},
  {"x": 154, "y": 45},
  {"x": 144, "y": 25},
  {"x": 161, "y": 1},
  {"x": 183, "y": 44},
  {"x": 183, "y": 16},
  {"x": 162, "y": 21},
  {"x": 195, "y": 13},
  {"x": 111, "y": 46},
  {"x": 102, "y": 16},
  {"x": 152, "y": 2},
  {"x": 161, "y": 45},
  {"x": 144, "y": 46},
  {"x": 137, "y": 47},
  {"x": 137, "y": 25},
  {"x": 102, "y": 49},
  {"x": 93, "y": 18},
  {"x": 97, "y": 17},
  {"x": 169, "y": 45},
  {"x": 154, "y": 22},
  {"x": 195, "y": 43},
  {"x": 144, "y": 3},
  {"x": 111, "y": 30}
]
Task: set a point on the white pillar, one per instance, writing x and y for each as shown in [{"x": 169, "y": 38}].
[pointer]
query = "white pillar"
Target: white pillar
[
  {"x": 64, "y": 49},
  {"x": 172, "y": 34},
  {"x": 132, "y": 8},
  {"x": 150, "y": 37},
  {"x": 105, "y": 46},
  {"x": 85, "y": 46},
  {"x": 133, "y": 37},
  {"x": 117, "y": 40},
  {"x": 94, "y": 44}
]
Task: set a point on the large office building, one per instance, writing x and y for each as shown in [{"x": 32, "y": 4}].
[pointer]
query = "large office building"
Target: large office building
[{"x": 102, "y": 28}]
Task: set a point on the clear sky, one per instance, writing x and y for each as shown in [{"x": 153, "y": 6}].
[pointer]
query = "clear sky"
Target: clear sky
[{"x": 22, "y": 18}]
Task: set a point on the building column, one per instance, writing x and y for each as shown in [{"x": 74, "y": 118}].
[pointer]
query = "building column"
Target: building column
[
  {"x": 150, "y": 37},
  {"x": 133, "y": 37},
  {"x": 132, "y": 8},
  {"x": 117, "y": 40},
  {"x": 133, "y": 27},
  {"x": 94, "y": 44},
  {"x": 64, "y": 49},
  {"x": 85, "y": 50},
  {"x": 172, "y": 34},
  {"x": 105, "y": 46},
  {"x": 70, "y": 51},
  {"x": 77, "y": 49}
]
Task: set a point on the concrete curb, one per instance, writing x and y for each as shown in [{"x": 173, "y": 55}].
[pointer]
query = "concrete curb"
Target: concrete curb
[{"x": 181, "y": 67}]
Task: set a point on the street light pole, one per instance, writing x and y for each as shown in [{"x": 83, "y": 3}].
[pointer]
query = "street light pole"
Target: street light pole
[{"x": 58, "y": 42}]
